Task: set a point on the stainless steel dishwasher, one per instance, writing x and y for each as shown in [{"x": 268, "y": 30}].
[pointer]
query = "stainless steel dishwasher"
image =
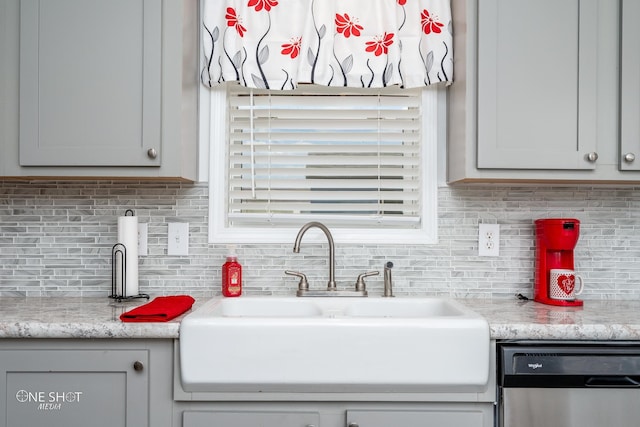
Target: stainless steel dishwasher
[{"x": 568, "y": 384}]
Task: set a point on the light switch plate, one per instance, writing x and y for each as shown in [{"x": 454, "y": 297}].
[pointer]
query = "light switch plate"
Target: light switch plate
[{"x": 178, "y": 238}]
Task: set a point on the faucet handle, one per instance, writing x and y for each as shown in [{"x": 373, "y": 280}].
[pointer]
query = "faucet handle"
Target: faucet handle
[
  {"x": 360, "y": 285},
  {"x": 303, "y": 285}
]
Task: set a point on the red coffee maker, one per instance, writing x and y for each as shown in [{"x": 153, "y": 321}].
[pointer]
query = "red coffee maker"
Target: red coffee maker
[{"x": 555, "y": 240}]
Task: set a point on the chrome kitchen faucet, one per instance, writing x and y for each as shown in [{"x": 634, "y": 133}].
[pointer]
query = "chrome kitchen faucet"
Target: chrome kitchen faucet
[
  {"x": 332, "y": 289},
  {"x": 331, "y": 285}
]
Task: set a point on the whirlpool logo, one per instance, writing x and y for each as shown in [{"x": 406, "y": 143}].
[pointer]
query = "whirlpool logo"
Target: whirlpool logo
[{"x": 535, "y": 366}]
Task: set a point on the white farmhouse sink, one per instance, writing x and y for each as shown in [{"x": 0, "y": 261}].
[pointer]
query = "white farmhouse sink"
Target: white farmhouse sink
[{"x": 333, "y": 344}]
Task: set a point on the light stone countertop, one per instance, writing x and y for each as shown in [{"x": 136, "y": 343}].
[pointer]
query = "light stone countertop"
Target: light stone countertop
[
  {"x": 49, "y": 317},
  {"x": 69, "y": 317},
  {"x": 596, "y": 320}
]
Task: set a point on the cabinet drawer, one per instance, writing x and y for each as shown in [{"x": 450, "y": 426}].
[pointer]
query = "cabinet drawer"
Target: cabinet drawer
[
  {"x": 441, "y": 417},
  {"x": 250, "y": 419}
]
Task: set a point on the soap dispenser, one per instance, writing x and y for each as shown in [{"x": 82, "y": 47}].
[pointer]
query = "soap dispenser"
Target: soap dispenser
[{"x": 232, "y": 275}]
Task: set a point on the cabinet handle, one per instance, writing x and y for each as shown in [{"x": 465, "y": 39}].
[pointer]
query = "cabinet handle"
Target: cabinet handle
[
  {"x": 152, "y": 153},
  {"x": 629, "y": 157},
  {"x": 353, "y": 425},
  {"x": 138, "y": 366},
  {"x": 592, "y": 157}
]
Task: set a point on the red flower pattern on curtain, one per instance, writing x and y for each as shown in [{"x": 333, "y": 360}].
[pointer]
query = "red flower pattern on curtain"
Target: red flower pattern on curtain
[
  {"x": 262, "y": 4},
  {"x": 346, "y": 26},
  {"x": 429, "y": 23},
  {"x": 380, "y": 44},
  {"x": 234, "y": 21},
  {"x": 292, "y": 49},
  {"x": 410, "y": 40}
]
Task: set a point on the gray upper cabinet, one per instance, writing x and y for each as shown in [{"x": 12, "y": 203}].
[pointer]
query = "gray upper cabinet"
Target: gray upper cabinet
[
  {"x": 536, "y": 91},
  {"x": 106, "y": 88},
  {"x": 90, "y": 82},
  {"x": 630, "y": 87}
]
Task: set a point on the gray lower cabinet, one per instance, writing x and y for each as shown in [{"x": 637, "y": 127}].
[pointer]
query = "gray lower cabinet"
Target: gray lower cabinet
[
  {"x": 536, "y": 91},
  {"x": 104, "y": 383},
  {"x": 99, "y": 88}
]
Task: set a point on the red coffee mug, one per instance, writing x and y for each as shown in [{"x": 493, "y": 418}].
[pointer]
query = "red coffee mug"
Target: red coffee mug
[{"x": 564, "y": 284}]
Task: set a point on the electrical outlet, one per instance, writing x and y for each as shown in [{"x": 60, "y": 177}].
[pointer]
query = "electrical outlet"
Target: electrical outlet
[
  {"x": 489, "y": 240},
  {"x": 178, "y": 238}
]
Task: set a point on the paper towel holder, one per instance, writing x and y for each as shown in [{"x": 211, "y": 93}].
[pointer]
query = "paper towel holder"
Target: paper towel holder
[{"x": 118, "y": 253}]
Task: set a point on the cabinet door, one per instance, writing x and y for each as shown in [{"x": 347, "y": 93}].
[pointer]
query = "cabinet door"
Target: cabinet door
[
  {"x": 630, "y": 87},
  {"x": 537, "y": 83},
  {"x": 462, "y": 417},
  {"x": 90, "y": 82},
  {"x": 250, "y": 419},
  {"x": 61, "y": 388}
]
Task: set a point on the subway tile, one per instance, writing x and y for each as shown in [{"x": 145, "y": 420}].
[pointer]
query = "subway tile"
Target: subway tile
[{"x": 56, "y": 238}]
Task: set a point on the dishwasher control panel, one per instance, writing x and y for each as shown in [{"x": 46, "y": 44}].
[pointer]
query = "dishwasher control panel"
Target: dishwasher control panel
[{"x": 569, "y": 365}]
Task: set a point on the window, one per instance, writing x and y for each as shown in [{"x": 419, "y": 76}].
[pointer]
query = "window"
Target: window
[{"x": 361, "y": 162}]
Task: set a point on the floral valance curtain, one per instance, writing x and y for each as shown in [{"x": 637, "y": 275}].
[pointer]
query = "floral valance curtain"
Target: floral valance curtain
[{"x": 277, "y": 44}]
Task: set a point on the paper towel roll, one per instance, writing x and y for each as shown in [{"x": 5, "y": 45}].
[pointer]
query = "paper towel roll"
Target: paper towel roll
[{"x": 128, "y": 236}]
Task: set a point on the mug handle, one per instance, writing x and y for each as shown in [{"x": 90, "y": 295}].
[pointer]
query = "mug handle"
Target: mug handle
[{"x": 578, "y": 279}]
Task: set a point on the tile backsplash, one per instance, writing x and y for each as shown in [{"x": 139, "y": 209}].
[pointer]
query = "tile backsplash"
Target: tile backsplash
[{"x": 56, "y": 239}]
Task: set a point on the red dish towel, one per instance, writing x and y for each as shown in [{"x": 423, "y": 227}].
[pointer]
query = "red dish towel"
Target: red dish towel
[{"x": 161, "y": 309}]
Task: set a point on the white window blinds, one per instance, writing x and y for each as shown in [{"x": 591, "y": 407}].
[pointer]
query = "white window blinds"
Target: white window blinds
[{"x": 350, "y": 159}]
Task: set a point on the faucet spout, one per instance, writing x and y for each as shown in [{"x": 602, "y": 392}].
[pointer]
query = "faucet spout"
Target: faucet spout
[{"x": 331, "y": 285}]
